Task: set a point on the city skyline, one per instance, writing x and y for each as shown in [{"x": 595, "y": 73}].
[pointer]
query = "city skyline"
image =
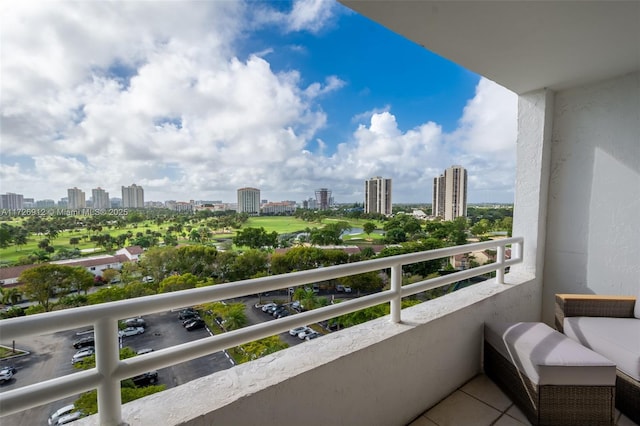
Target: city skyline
[{"x": 284, "y": 96}]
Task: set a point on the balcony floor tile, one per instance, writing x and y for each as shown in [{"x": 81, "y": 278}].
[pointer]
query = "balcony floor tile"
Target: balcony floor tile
[{"x": 480, "y": 402}]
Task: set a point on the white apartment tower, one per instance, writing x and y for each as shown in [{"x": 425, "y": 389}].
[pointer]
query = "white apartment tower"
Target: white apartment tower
[
  {"x": 249, "y": 201},
  {"x": 11, "y": 201},
  {"x": 133, "y": 196},
  {"x": 100, "y": 198},
  {"x": 76, "y": 198},
  {"x": 377, "y": 196},
  {"x": 450, "y": 193}
]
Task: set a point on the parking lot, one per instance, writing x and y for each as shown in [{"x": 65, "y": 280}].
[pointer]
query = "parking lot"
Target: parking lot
[{"x": 50, "y": 356}]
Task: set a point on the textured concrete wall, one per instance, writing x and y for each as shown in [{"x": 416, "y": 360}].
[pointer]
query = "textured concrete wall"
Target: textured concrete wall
[
  {"x": 593, "y": 232},
  {"x": 377, "y": 373}
]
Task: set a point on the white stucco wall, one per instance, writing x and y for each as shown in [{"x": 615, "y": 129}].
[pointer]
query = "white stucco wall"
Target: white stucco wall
[
  {"x": 377, "y": 373},
  {"x": 593, "y": 231}
]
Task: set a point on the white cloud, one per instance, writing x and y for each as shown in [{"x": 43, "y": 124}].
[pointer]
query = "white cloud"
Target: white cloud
[
  {"x": 305, "y": 15},
  {"x": 158, "y": 97}
]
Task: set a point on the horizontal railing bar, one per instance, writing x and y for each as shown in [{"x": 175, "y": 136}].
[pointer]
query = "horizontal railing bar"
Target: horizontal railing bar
[
  {"x": 36, "y": 394},
  {"x": 86, "y": 315},
  {"x": 419, "y": 287}
]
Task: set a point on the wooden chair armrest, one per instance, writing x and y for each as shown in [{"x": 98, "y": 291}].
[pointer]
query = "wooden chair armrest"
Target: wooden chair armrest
[{"x": 592, "y": 305}]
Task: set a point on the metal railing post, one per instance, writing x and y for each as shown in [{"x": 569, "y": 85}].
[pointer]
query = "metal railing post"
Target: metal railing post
[
  {"x": 107, "y": 358},
  {"x": 500, "y": 261},
  {"x": 396, "y": 301}
]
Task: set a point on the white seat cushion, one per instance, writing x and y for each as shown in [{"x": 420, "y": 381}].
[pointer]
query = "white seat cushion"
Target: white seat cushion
[
  {"x": 616, "y": 338},
  {"x": 548, "y": 357}
]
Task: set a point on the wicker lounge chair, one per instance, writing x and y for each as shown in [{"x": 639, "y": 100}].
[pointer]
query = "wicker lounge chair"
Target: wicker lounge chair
[{"x": 608, "y": 307}]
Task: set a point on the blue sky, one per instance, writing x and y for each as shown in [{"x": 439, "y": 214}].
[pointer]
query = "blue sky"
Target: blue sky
[{"x": 195, "y": 102}]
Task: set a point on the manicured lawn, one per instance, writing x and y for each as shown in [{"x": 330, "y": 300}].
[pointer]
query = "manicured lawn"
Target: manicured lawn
[{"x": 280, "y": 224}]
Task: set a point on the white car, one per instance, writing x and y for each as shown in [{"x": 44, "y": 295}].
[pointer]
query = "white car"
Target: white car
[
  {"x": 305, "y": 333},
  {"x": 6, "y": 374},
  {"x": 267, "y": 306},
  {"x": 298, "y": 330},
  {"x": 53, "y": 419},
  {"x": 130, "y": 331},
  {"x": 82, "y": 354},
  {"x": 347, "y": 289},
  {"x": 71, "y": 417}
]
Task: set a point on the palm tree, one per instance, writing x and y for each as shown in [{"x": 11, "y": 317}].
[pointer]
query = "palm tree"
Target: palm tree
[{"x": 235, "y": 317}]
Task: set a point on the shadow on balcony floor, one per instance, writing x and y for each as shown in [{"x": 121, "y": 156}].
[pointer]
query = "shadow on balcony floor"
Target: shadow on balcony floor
[{"x": 481, "y": 403}]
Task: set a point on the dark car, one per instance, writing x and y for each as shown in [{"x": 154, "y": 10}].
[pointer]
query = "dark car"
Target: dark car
[
  {"x": 186, "y": 314},
  {"x": 195, "y": 324},
  {"x": 146, "y": 379},
  {"x": 188, "y": 320},
  {"x": 84, "y": 342},
  {"x": 278, "y": 310}
]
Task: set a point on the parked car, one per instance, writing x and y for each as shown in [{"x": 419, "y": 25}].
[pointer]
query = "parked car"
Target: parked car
[
  {"x": 61, "y": 412},
  {"x": 312, "y": 335},
  {"x": 71, "y": 417},
  {"x": 298, "y": 330},
  {"x": 146, "y": 379},
  {"x": 135, "y": 322},
  {"x": 267, "y": 306},
  {"x": 130, "y": 331},
  {"x": 82, "y": 354},
  {"x": 339, "y": 287},
  {"x": 10, "y": 368},
  {"x": 347, "y": 289},
  {"x": 188, "y": 320},
  {"x": 85, "y": 341},
  {"x": 279, "y": 309},
  {"x": 6, "y": 374},
  {"x": 271, "y": 309},
  {"x": 305, "y": 333},
  {"x": 283, "y": 313},
  {"x": 195, "y": 324},
  {"x": 187, "y": 314}
]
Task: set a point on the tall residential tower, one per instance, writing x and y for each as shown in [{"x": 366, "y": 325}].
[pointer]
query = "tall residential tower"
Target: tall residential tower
[
  {"x": 450, "y": 193},
  {"x": 100, "y": 198},
  {"x": 249, "y": 201},
  {"x": 133, "y": 196},
  {"x": 377, "y": 196},
  {"x": 76, "y": 198}
]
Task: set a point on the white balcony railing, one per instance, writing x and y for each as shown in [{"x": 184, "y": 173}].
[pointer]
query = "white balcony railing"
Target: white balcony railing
[{"x": 110, "y": 370}]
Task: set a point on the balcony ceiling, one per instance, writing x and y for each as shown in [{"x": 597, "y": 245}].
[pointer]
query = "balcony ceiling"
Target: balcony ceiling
[{"x": 522, "y": 45}]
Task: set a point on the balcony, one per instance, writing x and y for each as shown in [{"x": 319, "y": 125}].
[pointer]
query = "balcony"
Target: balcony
[{"x": 386, "y": 357}]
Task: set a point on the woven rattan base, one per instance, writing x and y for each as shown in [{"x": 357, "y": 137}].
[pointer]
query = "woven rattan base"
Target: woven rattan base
[{"x": 550, "y": 405}]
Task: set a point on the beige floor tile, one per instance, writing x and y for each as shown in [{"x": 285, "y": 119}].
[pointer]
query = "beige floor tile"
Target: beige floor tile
[
  {"x": 515, "y": 412},
  {"x": 422, "y": 421},
  {"x": 625, "y": 421},
  {"x": 461, "y": 409},
  {"x": 485, "y": 390},
  {"x": 507, "y": 421}
]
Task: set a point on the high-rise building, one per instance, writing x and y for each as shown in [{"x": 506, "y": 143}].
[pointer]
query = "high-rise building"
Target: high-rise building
[
  {"x": 323, "y": 199},
  {"x": 133, "y": 196},
  {"x": 76, "y": 198},
  {"x": 377, "y": 196},
  {"x": 12, "y": 201},
  {"x": 249, "y": 201},
  {"x": 100, "y": 198},
  {"x": 450, "y": 193}
]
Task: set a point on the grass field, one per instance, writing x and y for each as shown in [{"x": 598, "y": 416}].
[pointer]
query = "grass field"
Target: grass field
[{"x": 280, "y": 224}]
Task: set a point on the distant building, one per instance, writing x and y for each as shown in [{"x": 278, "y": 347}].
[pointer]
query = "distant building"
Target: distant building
[
  {"x": 133, "y": 197},
  {"x": 76, "y": 198},
  {"x": 44, "y": 204},
  {"x": 249, "y": 201},
  {"x": 377, "y": 196},
  {"x": 12, "y": 201},
  {"x": 450, "y": 193},
  {"x": 323, "y": 199},
  {"x": 100, "y": 198},
  {"x": 279, "y": 208}
]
